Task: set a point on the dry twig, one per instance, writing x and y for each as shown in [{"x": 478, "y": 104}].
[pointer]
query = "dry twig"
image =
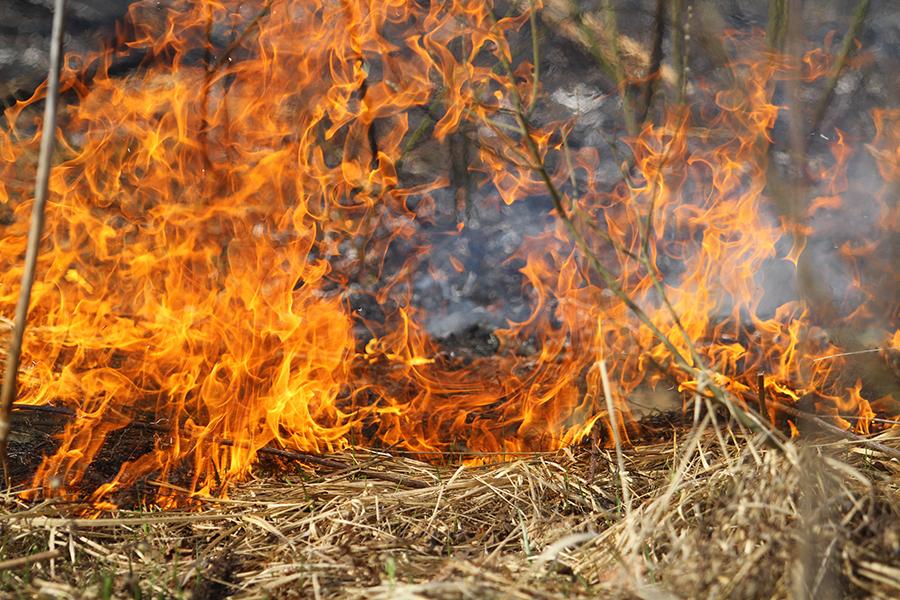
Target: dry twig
[
  {"x": 24, "y": 561},
  {"x": 41, "y": 185}
]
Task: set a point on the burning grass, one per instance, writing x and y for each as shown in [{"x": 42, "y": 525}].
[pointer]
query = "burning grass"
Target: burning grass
[
  {"x": 233, "y": 318},
  {"x": 216, "y": 215},
  {"x": 715, "y": 513}
]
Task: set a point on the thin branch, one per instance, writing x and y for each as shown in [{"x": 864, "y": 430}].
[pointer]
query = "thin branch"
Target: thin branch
[
  {"x": 656, "y": 56},
  {"x": 236, "y": 43},
  {"x": 41, "y": 188},
  {"x": 678, "y": 48},
  {"x": 612, "y": 29},
  {"x": 24, "y": 561},
  {"x": 535, "y": 57},
  {"x": 867, "y": 351},
  {"x": 645, "y": 236},
  {"x": 761, "y": 392},
  {"x": 776, "y": 27},
  {"x": 697, "y": 370},
  {"x": 843, "y": 433},
  {"x": 614, "y": 425},
  {"x": 413, "y": 139},
  {"x": 371, "y": 133},
  {"x": 859, "y": 17}
]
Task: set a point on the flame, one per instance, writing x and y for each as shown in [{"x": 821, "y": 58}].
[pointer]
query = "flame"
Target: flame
[{"x": 212, "y": 213}]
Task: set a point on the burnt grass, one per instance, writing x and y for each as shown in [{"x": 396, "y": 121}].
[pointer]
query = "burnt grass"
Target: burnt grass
[
  {"x": 36, "y": 435},
  {"x": 36, "y": 432}
]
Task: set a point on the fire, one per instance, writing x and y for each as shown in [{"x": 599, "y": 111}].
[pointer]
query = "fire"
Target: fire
[{"x": 213, "y": 212}]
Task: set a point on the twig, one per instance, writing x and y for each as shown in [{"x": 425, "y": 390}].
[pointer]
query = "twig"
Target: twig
[
  {"x": 696, "y": 368},
  {"x": 614, "y": 425},
  {"x": 871, "y": 419},
  {"x": 535, "y": 57},
  {"x": 644, "y": 255},
  {"x": 370, "y": 134},
  {"x": 42, "y": 180},
  {"x": 793, "y": 48},
  {"x": 44, "y": 408},
  {"x": 859, "y": 17},
  {"x": 335, "y": 464},
  {"x": 612, "y": 29},
  {"x": 24, "y": 561},
  {"x": 656, "y": 55},
  {"x": 761, "y": 392},
  {"x": 678, "y": 48},
  {"x": 854, "y": 353},
  {"x": 413, "y": 139},
  {"x": 234, "y": 45},
  {"x": 843, "y": 433},
  {"x": 777, "y": 24}
]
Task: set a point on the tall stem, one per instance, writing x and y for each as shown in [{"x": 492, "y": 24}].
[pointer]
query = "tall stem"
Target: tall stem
[
  {"x": 41, "y": 185},
  {"x": 612, "y": 29}
]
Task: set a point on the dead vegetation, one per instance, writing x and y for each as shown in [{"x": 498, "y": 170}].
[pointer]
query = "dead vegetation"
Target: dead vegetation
[{"x": 715, "y": 513}]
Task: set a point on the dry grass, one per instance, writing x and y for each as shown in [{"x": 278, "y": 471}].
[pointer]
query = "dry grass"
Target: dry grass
[{"x": 714, "y": 515}]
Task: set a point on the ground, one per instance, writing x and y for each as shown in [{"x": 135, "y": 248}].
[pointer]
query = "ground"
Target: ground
[
  {"x": 711, "y": 511},
  {"x": 701, "y": 509}
]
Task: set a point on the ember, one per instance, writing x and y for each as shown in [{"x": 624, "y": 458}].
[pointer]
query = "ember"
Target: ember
[{"x": 239, "y": 230}]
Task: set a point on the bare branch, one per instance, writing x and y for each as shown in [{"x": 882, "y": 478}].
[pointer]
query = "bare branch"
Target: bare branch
[{"x": 41, "y": 185}]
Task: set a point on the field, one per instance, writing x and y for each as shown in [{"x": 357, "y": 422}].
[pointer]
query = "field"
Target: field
[
  {"x": 512, "y": 299},
  {"x": 713, "y": 512}
]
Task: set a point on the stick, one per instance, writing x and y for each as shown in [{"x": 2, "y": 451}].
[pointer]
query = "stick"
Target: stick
[
  {"x": 48, "y": 133},
  {"x": 843, "y": 433},
  {"x": 614, "y": 425},
  {"x": 612, "y": 27},
  {"x": 535, "y": 57},
  {"x": 334, "y": 464},
  {"x": 24, "y": 561},
  {"x": 656, "y": 55},
  {"x": 854, "y": 353},
  {"x": 777, "y": 24},
  {"x": 859, "y": 17},
  {"x": 235, "y": 44},
  {"x": 678, "y": 48},
  {"x": 761, "y": 392}
]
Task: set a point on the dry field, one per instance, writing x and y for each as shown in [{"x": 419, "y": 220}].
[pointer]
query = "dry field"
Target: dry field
[
  {"x": 715, "y": 206},
  {"x": 708, "y": 512}
]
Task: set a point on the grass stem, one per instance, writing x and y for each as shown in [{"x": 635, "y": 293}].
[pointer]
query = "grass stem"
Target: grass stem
[{"x": 41, "y": 191}]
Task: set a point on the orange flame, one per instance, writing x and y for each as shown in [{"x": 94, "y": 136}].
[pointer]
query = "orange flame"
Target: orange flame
[{"x": 211, "y": 212}]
